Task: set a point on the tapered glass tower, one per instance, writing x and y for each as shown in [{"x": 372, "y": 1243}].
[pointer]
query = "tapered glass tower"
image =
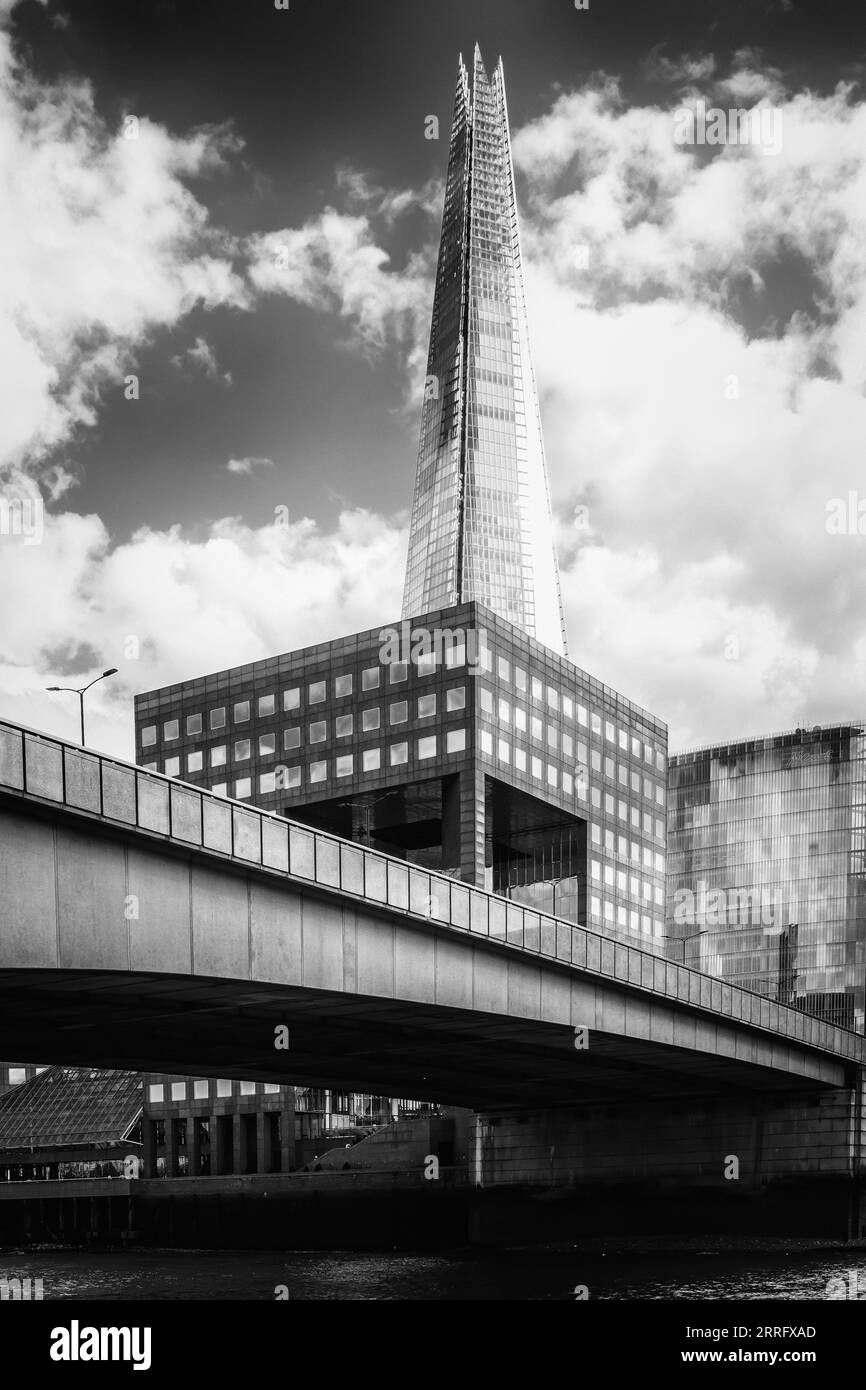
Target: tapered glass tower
[{"x": 482, "y": 527}]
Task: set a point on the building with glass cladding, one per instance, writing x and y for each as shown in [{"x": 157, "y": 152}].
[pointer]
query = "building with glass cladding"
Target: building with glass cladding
[
  {"x": 766, "y": 882},
  {"x": 481, "y": 524},
  {"x": 454, "y": 741}
]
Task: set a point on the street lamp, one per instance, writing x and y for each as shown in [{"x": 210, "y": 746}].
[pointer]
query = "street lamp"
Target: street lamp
[
  {"x": 112, "y": 671},
  {"x": 704, "y": 931}
]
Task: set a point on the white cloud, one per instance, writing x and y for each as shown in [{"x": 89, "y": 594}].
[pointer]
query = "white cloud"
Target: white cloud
[
  {"x": 246, "y": 466},
  {"x": 103, "y": 244},
  {"x": 704, "y": 440},
  {"x": 162, "y": 607},
  {"x": 202, "y": 358}
]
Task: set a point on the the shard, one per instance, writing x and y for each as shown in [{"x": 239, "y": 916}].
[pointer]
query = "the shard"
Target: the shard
[{"x": 481, "y": 525}]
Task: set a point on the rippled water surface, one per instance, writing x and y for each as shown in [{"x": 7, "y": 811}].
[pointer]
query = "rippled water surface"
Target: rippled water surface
[{"x": 456, "y": 1276}]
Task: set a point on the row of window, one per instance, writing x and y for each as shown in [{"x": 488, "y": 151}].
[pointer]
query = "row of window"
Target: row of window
[
  {"x": 290, "y": 778},
  {"x": 531, "y": 686},
  {"x": 601, "y": 910},
  {"x": 200, "y": 1089}
]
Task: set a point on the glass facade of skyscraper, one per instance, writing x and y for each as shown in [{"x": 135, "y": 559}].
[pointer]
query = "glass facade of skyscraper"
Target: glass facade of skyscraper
[
  {"x": 766, "y": 879},
  {"x": 481, "y": 519}
]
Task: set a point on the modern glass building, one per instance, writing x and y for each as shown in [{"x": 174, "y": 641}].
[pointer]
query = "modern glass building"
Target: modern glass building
[
  {"x": 481, "y": 518},
  {"x": 767, "y": 866}
]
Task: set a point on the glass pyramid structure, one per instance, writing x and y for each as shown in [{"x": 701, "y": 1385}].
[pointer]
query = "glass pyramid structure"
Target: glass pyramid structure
[{"x": 482, "y": 526}]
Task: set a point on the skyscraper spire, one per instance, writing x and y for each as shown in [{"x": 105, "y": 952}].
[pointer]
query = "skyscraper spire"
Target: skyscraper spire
[{"x": 482, "y": 526}]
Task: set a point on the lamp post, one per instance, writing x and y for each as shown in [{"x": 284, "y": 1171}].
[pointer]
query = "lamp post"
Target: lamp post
[
  {"x": 704, "y": 931},
  {"x": 80, "y": 692}
]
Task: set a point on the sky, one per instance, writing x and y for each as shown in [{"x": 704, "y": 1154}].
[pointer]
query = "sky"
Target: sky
[{"x": 218, "y": 228}]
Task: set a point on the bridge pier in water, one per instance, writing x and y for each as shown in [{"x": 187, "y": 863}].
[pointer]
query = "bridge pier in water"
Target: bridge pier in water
[{"x": 785, "y": 1166}]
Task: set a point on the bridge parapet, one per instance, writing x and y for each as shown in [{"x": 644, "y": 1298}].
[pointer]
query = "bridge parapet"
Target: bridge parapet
[{"x": 46, "y": 773}]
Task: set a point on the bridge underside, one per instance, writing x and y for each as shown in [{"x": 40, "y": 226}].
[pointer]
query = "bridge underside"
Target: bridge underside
[{"x": 226, "y": 1027}]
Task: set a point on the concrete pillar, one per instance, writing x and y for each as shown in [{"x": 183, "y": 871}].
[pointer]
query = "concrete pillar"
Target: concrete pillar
[
  {"x": 239, "y": 1147},
  {"x": 263, "y": 1142},
  {"x": 194, "y": 1145},
  {"x": 148, "y": 1147},
  {"x": 171, "y": 1148}
]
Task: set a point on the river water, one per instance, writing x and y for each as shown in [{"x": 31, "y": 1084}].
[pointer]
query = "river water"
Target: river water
[{"x": 461, "y": 1275}]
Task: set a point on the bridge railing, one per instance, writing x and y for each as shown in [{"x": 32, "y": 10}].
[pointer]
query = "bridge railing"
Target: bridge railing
[{"x": 51, "y": 771}]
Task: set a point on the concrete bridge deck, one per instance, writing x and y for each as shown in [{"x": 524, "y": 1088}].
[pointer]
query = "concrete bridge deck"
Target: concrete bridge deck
[{"x": 150, "y": 924}]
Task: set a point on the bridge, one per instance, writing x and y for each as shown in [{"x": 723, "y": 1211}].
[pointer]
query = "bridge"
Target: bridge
[{"x": 153, "y": 925}]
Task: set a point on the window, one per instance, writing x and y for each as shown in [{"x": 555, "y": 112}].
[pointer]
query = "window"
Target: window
[
  {"x": 267, "y": 781},
  {"x": 292, "y": 698},
  {"x": 536, "y": 728},
  {"x": 220, "y": 788},
  {"x": 536, "y": 768},
  {"x": 520, "y": 678},
  {"x": 455, "y": 655},
  {"x": 370, "y": 719},
  {"x": 342, "y": 687},
  {"x": 345, "y": 765},
  {"x": 218, "y": 718},
  {"x": 427, "y": 747},
  {"x": 568, "y": 706},
  {"x": 194, "y": 762},
  {"x": 266, "y": 706},
  {"x": 567, "y": 746},
  {"x": 317, "y": 692},
  {"x": 224, "y": 1088},
  {"x": 345, "y": 725},
  {"x": 581, "y": 715},
  {"x": 503, "y": 669},
  {"x": 218, "y": 755},
  {"x": 148, "y": 736},
  {"x": 201, "y": 1089},
  {"x": 455, "y": 698},
  {"x": 486, "y": 742},
  {"x": 426, "y": 706},
  {"x": 399, "y": 672},
  {"x": 552, "y": 697},
  {"x": 568, "y": 783},
  {"x": 170, "y": 729},
  {"x": 193, "y": 723},
  {"x": 399, "y": 713},
  {"x": 172, "y": 767},
  {"x": 553, "y": 776},
  {"x": 248, "y": 1088},
  {"x": 609, "y": 731},
  {"x": 623, "y": 740},
  {"x": 290, "y": 776},
  {"x": 520, "y": 718},
  {"x": 370, "y": 678},
  {"x": 595, "y": 724},
  {"x": 318, "y": 772},
  {"x": 399, "y": 754},
  {"x": 520, "y": 759},
  {"x": 267, "y": 745},
  {"x": 504, "y": 711},
  {"x": 150, "y": 767},
  {"x": 609, "y": 767},
  {"x": 425, "y": 663},
  {"x": 242, "y": 750},
  {"x": 486, "y": 700},
  {"x": 243, "y": 787},
  {"x": 503, "y": 750},
  {"x": 372, "y": 759},
  {"x": 242, "y": 711},
  {"x": 178, "y": 1090},
  {"x": 319, "y": 731},
  {"x": 155, "y": 1093},
  {"x": 455, "y": 740},
  {"x": 292, "y": 737},
  {"x": 552, "y": 736},
  {"x": 536, "y": 688}
]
